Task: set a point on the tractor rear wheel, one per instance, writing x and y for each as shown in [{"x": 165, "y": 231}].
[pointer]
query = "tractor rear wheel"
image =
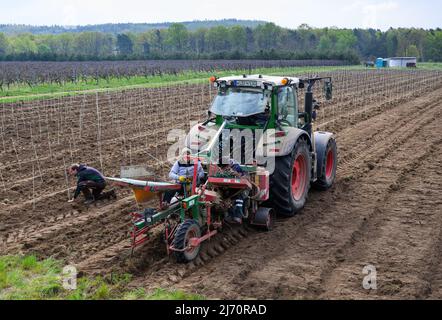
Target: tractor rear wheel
[
  {"x": 327, "y": 176},
  {"x": 187, "y": 230},
  {"x": 290, "y": 182}
]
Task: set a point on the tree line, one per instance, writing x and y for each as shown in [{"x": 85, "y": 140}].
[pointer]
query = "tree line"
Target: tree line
[
  {"x": 116, "y": 28},
  {"x": 266, "y": 41}
]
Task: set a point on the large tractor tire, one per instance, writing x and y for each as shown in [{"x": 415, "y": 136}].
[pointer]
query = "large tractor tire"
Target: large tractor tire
[
  {"x": 187, "y": 230},
  {"x": 290, "y": 182},
  {"x": 327, "y": 166}
]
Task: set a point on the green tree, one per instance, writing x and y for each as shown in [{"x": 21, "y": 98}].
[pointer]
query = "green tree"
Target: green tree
[
  {"x": 412, "y": 51},
  {"x": 142, "y": 44},
  {"x": 200, "y": 44},
  {"x": 268, "y": 36},
  {"x": 24, "y": 44},
  {"x": 4, "y": 45},
  {"x": 177, "y": 37},
  {"x": 125, "y": 45},
  {"x": 392, "y": 43},
  {"x": 217, "y": 39},
  {"x": 433, "y": 45},
  {"x": 94, "y": 45},
  {"x": 238, "y": 38},
  {"x": 158, "y": 40},
  {"x": 345, "y": 40},
  {"x": 325, "y": 44}
]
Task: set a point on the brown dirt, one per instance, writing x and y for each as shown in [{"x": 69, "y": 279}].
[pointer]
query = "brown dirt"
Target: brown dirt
[{"x": 385, "y": 209}]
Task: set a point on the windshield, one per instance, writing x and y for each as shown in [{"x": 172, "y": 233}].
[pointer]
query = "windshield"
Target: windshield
[{"x": 240, "y": 102}]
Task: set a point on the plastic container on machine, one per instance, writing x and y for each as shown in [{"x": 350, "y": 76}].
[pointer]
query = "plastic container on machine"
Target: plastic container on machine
[{"x": 262, "y": 179}]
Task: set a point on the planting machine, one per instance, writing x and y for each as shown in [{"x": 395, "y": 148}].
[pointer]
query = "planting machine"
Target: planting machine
[{"x": 279, "y": 163}]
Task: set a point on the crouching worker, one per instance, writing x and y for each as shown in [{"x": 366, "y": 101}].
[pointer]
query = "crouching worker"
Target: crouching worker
[
  {"x": 90, "y": 182},
  {"x": 181, "y": 172}
]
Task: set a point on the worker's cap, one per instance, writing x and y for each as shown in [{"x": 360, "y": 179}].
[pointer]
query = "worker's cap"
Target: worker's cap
[
  {"x": 186, "y": 151},
  {"x": 186, "y": 154},
  {"x": 74, "y": 166}
]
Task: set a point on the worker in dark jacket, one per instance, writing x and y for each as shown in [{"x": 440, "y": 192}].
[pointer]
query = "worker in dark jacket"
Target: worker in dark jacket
[{"x": 88, "y": 179}]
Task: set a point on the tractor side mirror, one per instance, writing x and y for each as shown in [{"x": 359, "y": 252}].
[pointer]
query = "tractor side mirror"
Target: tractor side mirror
[{"x": 328, "y": 90}]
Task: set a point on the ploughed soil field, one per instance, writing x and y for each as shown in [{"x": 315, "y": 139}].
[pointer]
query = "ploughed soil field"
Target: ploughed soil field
[{"x": 385, "y": 209}]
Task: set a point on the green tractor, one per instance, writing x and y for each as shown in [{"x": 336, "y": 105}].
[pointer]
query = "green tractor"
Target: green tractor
[
  {"x": 265, "y": 103},
  {"x": 260, "y": 156}
]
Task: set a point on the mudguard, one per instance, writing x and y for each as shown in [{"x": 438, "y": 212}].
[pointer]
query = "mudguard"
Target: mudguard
[
  {"x": 288, "y": 142},
  {"x": 321, "y": 142}
]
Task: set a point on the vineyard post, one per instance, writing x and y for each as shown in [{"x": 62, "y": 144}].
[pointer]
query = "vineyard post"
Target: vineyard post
[
  {"x": 109, "y": 98},
  {"x": 70, "y": 151},
  {"x": 39, "y": 121},
  {"x": 49, "y": 144},
  {"x": 3, "y": 131},
  {"x": 38, "y": 161},
  {"x": 33, "y": 186},
  {"x": 99, "y": 132},
  {"x": 189, "y": 110},
  {"x": 81, "y": 114},
  {"x": 3, "y": 180},
  {"x": 145, "y": 115},
  {"x": 130, "y": 153},
  {"x": 58, "y": 122},
  {"x": 73, "y": 139},
  {"x": 122, "y": 134},
  {"x": 16, "y": 123},
  {"x": 67, "y": 179},
  {"x": 16, "y": 153}
]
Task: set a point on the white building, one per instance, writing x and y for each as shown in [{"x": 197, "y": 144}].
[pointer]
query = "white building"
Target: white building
[{"x": 403, "y": 62}]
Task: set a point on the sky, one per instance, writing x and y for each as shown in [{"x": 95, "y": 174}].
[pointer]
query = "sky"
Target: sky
[{"x": 379, "y": 14}]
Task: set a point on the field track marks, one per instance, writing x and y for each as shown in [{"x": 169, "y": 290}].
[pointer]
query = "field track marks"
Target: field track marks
[
  {"x": 396, "y": 237},
  {"x": 347, "y": 114},
  {"x": 71, "y": 231},
  {"x": 384, "y": 140}
]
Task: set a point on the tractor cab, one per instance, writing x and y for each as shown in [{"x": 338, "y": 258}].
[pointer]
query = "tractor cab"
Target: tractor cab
[{"x": 256, "y": 101}]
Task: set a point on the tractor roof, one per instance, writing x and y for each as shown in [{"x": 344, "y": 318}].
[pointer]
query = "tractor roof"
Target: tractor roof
[{"x": 273, "y": 80}]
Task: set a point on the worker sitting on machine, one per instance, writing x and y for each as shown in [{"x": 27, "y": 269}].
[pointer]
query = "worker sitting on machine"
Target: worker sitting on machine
[
  {"x": 236, "y": 212},
  {"x": 182, "y": 172},
  {"x": 88, "y": 179}
]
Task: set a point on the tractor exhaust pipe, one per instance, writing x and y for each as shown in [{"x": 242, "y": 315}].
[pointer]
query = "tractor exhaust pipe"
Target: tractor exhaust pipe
[{"x": 308, "y": 109}]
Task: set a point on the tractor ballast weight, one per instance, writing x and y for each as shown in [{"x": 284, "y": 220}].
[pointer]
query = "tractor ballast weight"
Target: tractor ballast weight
[{"x": 302, "y": 158}]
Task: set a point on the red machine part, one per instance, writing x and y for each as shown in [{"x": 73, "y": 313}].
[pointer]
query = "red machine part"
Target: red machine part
[
  {"x": 262, "y": 180},
  {"x": 241, "y": 183}
]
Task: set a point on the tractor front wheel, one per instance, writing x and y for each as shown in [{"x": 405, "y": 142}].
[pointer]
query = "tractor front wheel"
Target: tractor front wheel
[
  {"x": 187, "y": 230},
  {"x": 327, "y": 169},
  {"x": 290, "y": 182}
]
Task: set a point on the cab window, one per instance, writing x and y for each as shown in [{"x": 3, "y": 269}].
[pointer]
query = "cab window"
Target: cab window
[{"x": 287, "y": 113}]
